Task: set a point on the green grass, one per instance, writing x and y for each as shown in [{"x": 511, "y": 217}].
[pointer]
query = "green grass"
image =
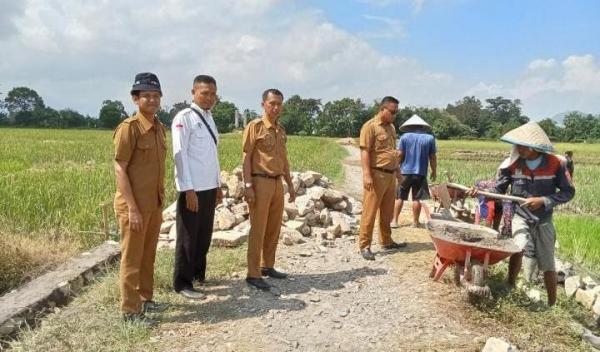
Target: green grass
[
  {"x": 53, "y": 182},
  {"x": 468, "y": 161},
  {"x": 92, "y": 322},
  {"x": 524, "y": 322},
  {"x": 579, "y": 239}
]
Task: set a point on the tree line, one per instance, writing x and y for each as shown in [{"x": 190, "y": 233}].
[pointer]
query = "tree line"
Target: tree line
[{"x": 467, "y": 118}]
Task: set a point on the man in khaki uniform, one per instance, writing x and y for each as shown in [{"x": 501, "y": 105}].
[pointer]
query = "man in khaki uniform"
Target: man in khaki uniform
[
  {"x": 139, "y": 164},
  {"x": 379, "y": 164},
  {"x": 264, "y": 163}
]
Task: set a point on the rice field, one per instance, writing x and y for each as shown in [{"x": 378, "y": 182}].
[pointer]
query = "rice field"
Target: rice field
[
  {"x": 577, "y": 222},
  {"x": 53, "y": 183}
]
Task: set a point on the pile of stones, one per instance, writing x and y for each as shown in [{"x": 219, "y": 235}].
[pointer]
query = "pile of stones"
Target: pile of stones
[{"x": 319, "y": 213}]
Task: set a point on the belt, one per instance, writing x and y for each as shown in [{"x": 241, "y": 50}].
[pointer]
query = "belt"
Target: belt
[
  {"x": 384, "y": 170},
  {"x": 266, "y": 176}
]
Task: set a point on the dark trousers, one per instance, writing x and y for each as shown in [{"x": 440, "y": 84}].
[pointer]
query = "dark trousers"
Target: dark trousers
[{"x": 194, "y": 233}]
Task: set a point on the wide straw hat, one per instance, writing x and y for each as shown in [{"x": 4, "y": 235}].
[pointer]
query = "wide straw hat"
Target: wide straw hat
[
  {"x": 529, "y": 135},
  {"x": 414, "y": 121}
]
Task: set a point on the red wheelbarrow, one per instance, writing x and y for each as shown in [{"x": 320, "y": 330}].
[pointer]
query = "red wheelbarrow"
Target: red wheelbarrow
[{"x": 471, "y": 249}]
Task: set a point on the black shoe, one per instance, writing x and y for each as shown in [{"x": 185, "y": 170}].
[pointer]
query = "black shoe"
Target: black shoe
[
  {"x": 141, "y": 319},
  {"x": 259, "y": 283},
  {"x": 394, "y": 245},
  {"x": 366, "y": 253},
  {"x": 153, "y": 307},
  {"x": 270, "y": 272},
  {"x": 192, "y": 293}
]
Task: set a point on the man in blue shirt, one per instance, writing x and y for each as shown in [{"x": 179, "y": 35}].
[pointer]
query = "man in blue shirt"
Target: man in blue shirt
[{"x": 416, "y": 149}]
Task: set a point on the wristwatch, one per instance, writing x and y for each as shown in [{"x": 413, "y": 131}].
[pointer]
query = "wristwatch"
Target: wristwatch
[{"x": 248, "y": 185}]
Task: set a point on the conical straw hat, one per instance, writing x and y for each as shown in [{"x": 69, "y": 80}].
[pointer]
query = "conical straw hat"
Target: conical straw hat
[
  {"x": 529, "y": 135},
  {"x": 415, "y": 120}
]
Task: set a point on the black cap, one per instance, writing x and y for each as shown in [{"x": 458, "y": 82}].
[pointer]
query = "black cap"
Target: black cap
[{"x": 146, "y": 81}]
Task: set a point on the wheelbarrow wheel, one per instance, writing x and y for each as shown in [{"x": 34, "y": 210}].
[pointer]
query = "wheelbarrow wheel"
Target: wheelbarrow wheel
[
  {"x": 477, "y": 274},
  {"x": 458, "y": 272}
]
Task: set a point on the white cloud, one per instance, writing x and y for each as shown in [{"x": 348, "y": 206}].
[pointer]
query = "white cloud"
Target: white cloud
[
  {"x": 77, "y": 54},
  {"x": 547, "y": 87},
  {"x": 541, "y": 64},
  {"x": 416, "y": 4},
  {"x": 392, "y": 28}
]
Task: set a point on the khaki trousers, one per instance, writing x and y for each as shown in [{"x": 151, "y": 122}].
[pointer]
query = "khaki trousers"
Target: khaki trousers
[
  {"x": 265, "y": 224},
  {"x": 380, "y": 199},
  {"x": 138, "y": 250}
]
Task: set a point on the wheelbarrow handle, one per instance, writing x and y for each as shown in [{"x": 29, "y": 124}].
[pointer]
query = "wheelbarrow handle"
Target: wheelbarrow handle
[{"x": 491, "y": 195}]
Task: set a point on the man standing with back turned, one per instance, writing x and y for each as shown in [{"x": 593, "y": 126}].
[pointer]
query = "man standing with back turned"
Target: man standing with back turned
[
  {"x": 139, "y": 164},
  {"x": 379, "y": 163},
  {"x": 415, "y": 149},
  {"x": 264, "y": 163}
]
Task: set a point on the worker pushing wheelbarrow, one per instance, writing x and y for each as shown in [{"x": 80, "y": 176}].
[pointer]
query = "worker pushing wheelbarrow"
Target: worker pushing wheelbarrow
[
  {"x": 471, "y": 248},
  {"x": 540, "y": 178}
]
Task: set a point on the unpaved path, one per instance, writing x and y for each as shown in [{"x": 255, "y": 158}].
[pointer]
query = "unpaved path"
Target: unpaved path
[{"x": 333, "y": 301}]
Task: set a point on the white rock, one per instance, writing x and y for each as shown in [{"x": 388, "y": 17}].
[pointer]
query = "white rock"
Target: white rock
[
  {"x": 534, "y": 294},
  {"x": 336, "y": 230},
  {"x": 319, "y": 233},
  {"x": 341, "y": 205},
  {"x": 305, "y": 230},
  {"x": 585, "y": 297},
  {"x": 322, "y": 183},
  {"x": 325, "y": 217},
  {"x": 589, "y": 282},
  {"x": 596, "y": 307},
  {"x": 291, "y": 209},
  {"x": 241, "y": 209},
  {"x": 170, "y": 212},
  {"x": 319, "y": 205},
  {"x": 572, "y": 283},
  {"x": 285, "y": 217},
  {"x": 313, "y": 219},
  {"x": 307, "y": 179},
  {"x": 354, "y": 206},
  {"x": 315, "y": 192},
  {"x": 316, "y": 175},
  {"x": 301, "y": 191},
  {"x": 166, "y": 226},
  {"x": 235, "y": 187},
  {"x": 231, "y": 238},
  {"x": 225, "y": 219},
  {"x": 338, "y": 218},
  {"x": 290, "y": 236},
  {"x": 238, "y": 172},
  {"x": 494, "y": 344},
  {"x": 305, "y": 205},
  {"x": 172, "y": 233},
  {"x": 296, "y": 182},
  {"x": 243, "y": 227},
  {"x": 239, "y": 218},
  {"x": 228, "y": 201},
  {"x": 295, "y": 225},
  {"x": 331, "y": 197}
]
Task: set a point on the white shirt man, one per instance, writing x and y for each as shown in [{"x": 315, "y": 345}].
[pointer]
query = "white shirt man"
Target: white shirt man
[
  {"x": 197, "y": 173},
  {"x": 194, "y": 150}
]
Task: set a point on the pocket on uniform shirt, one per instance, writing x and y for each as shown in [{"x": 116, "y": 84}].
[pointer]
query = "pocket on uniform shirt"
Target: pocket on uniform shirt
[
  {"x": 266, "y": 142},
  {"x": 381, "y": 141},
  {"x": 145, "y": 149}
]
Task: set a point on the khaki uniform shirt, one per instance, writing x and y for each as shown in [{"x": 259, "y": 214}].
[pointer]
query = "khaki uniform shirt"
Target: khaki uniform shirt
[
  {"x": 379, "y": 139},
  {"x": 265, "y": 142},
  {"x": 142, "y": 144}
]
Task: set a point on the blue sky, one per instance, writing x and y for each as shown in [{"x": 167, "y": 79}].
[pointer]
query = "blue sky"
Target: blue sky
[
  {"x": 425, "y": 52},
  {"x": 475, "y": 38}
]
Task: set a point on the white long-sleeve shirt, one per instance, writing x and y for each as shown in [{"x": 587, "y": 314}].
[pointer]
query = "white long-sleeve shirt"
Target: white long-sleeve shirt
[{"x": 195, "y": 153}]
